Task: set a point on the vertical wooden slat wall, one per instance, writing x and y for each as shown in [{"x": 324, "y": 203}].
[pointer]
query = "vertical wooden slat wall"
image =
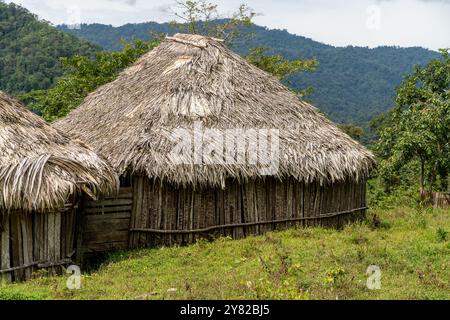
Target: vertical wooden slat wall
[
  {"x": 5, "y": 260},
  {"x": 147, "y": 214},
  {"x": 33, "y": 241},
  {"x": 160, "y": 208}
]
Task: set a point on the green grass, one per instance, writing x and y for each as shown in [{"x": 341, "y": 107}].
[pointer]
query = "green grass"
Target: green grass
[{"x": 411, "y": 247}]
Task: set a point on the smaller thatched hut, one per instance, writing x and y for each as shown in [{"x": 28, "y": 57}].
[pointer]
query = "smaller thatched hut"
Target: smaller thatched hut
[{"x": 42, "y": 175}]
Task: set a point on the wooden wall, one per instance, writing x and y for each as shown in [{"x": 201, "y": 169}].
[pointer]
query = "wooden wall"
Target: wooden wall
[
  {"x": 106, "y": 223},
  {"x": 151, "y": 214},
  {"x": 162, "y": 214},
  {"x": 33, "y": 241}
]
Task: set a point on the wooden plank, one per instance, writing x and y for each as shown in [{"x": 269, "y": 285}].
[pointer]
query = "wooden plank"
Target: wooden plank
[
  {"x": 27, "y": 242},
  {"x": 70, "y": 230},
  {"x": 57, "y": 237},
  {"x": 64, "y": 231},
  {"x": 109, "y": 216},
  {"x": 117, "y": 202},
  {"x": 238, "y": 211},
  {"x": 108, "y": 225},
  {"x": 209, "y": 197},
  {"x": 125, "y": 190},
  {"x": 135, "y": 211},
  {"x": 145, "y": 209},
  {"x": 156, "y": 197},
  {"x": 170, "y": 207},
  {"x": 107, "y": 246},
  {"x": 38, "y": 236},
  {"x": 261, "y": 203},
  {"x": 132, "y": 220},
  {"x": 180, "y": 213},
  {"x": 191, "y": 213},
  {"x": 106, "y": 210},
  {"x": 109, "y": 236},
  {"x": 197, "y": 213},
  {"x": 5, "y": 250},
  {"x": 78, "y": 236},
  {"x": 51, "y": 237},
  {"x": 176, "y": 196},
  {"x": 246, "y": 206},
  {"x": 16, "y": 246},
  {"x": 220, "y": 203}
]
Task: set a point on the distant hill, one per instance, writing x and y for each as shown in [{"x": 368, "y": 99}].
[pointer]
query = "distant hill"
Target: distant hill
[
  {"x": 30, "y": 50},
  {"x": 351, "y": 84}
]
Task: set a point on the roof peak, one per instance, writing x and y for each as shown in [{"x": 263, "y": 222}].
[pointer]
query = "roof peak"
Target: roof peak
[{"x": 193, "y": 39}]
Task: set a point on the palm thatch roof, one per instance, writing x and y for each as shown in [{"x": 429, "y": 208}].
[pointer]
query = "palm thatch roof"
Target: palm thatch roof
[
  {"x": 189, "y": 79},
  {"x": 41, "y": 167}
]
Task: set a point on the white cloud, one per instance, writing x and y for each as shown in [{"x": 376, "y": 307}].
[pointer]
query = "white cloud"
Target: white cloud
[{"x": 338, "y": 22}]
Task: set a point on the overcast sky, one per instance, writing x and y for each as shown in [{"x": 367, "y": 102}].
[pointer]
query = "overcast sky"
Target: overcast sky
[{"x": 370, "y": 23}]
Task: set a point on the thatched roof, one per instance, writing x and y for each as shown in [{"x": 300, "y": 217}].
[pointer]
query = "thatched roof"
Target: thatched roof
[
  {"x": 40, "y": 167},
  {"x": 191, "y": 78}
]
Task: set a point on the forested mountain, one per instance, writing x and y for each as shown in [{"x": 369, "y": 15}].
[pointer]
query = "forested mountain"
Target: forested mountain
[
  {"x": 30, "y": 50},
  {"x": 351, "y": 84}
]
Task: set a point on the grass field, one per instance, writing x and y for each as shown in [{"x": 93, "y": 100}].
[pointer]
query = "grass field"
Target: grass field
[{"x": 410, "y": 246}]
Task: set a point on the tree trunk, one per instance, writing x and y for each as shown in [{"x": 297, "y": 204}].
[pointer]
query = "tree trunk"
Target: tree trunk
[{"x": 422, "y": 173}]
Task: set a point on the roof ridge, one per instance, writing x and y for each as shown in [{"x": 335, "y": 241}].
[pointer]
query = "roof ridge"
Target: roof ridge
[{"x": 196, "y": 40}]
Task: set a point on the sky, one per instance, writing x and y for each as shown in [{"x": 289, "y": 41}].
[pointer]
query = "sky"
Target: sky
[{"x": 371, "y": 23}]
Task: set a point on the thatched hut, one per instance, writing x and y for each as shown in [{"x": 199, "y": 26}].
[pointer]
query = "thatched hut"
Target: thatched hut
[
  {"x": 194, "y": 86},
  {"x": 42, "y": 175}
]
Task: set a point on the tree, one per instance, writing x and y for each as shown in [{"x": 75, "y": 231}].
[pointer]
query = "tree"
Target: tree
[
  {"x": 418, "y": 128},
  {"x": 30, "y": 50},
  {"x": 352, "y": 130},
  {"x": 82, "y": 76},
  {"x": 202, "y": 17}
]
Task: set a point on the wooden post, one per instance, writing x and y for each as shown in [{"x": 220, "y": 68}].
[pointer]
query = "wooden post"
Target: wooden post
[{"x": 422, "y": 173}]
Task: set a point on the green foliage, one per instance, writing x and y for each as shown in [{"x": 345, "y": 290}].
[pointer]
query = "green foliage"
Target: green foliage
[
  {"x": 352, "y": 130},
  {"x": 203, "y": 17},
  {"x": 418, "y": 128},
  {"x": 30, "y": 50},
  {"x": 17, "y": 295},
  {"x": 334, "y": 278},
  {"x": 441, "y": 234},
  {"x": 280, "y": 67},
  {"x": 82, "y": 76},
  {"x": 403, "y": 195}
]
